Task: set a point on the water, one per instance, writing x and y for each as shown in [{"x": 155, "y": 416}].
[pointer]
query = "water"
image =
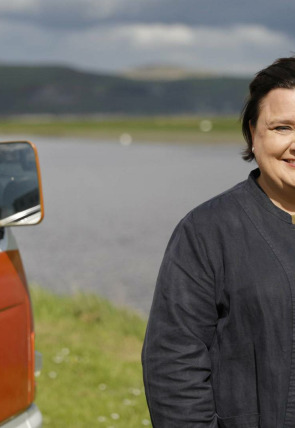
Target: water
[{"x": 110, "y": 210}]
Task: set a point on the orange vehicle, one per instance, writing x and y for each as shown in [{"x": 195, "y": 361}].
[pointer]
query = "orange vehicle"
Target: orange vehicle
[{"x": 21, "y": 204}]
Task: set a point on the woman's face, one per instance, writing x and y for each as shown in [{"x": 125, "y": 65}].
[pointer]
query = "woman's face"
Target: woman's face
[{"x": 274, "y": 144}]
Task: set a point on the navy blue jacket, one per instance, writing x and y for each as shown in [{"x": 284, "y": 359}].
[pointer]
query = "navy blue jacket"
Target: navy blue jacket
[{"x": 219, "y": 349}]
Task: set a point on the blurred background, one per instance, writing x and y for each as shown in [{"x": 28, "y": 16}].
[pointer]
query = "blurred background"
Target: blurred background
[{"x": 134, "y": 108}]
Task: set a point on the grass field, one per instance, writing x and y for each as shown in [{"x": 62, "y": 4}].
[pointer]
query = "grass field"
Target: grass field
[
  {"x": 91, "y": 374},
  {"x": 171, "y": 129}
]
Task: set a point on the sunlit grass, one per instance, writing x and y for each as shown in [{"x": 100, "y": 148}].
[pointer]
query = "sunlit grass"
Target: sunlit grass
[
  {"x": 171, "y": 129},
  {"x": 91, "y": 374}
]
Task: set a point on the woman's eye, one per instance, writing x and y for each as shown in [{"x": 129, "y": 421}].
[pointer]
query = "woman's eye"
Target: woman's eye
[{"x": 282, "y": 128}]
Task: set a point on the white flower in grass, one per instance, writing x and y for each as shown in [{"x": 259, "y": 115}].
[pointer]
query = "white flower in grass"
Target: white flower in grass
[
  {"x": 102, "y": 387},
  {"x": 135, "y": 391},
  {"x": 58, "y": 359},
  {"x": 60, "y": 356},
  {"x": 52, "y": 375},
  {"x": 115, "y": 416},
  {"x": 127, "y": 402},
  {"x": 101, "y": 418},
  {"x": 145, "y": 422},
  {"x": 65, "y": 352}
]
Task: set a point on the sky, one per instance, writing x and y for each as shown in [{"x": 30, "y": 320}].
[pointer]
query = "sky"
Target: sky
[{"x": 221, "y": 36}]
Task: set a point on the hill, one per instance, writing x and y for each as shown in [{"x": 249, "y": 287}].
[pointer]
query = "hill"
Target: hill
[{"x": 62, "y": 90}]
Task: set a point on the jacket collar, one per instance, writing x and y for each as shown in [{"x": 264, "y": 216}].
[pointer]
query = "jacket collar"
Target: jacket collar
[{"x": 262, "y": 198}]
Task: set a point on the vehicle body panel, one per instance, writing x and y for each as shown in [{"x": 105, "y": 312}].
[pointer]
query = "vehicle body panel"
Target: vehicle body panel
[{"x": 16, "y": 334}]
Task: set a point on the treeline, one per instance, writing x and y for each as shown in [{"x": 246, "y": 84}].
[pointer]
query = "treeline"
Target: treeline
[{"x": 61, "y": 90}]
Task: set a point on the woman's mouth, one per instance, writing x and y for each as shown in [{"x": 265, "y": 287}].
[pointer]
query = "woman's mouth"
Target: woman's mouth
[{"x": 290, "y": 161}]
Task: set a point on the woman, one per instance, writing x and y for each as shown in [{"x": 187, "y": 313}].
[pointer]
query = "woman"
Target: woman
[{"x": 220, "y": 344}]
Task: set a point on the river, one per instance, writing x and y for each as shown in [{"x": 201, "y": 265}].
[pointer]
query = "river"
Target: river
[{"x": 110, "y": 210}]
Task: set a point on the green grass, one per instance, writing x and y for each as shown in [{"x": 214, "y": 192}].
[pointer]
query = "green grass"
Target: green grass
[
  {"x": 171, "y": 129},
  {"x": 91, "y": 374}
]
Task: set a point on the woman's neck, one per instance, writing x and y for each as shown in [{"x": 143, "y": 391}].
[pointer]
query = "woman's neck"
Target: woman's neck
[{"x": 282, "y": 198}]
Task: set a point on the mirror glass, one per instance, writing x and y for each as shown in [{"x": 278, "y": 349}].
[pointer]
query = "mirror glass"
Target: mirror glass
[{"x": 19, "y": 185}]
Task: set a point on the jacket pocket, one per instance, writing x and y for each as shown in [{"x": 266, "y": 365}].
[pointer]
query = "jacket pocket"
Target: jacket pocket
[{"x": 251, "y": 420}]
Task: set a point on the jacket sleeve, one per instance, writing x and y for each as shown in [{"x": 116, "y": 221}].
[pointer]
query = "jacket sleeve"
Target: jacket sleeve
[{"x": 181, "y": 327}]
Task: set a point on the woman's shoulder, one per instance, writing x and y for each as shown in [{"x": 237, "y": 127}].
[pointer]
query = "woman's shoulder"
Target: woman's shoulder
[
  {"x": 207, "y": 227},
  {"x": 221, "y": 209}
]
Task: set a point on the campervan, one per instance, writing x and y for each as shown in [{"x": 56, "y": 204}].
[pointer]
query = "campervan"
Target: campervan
[{"x": 21, "y": 204}]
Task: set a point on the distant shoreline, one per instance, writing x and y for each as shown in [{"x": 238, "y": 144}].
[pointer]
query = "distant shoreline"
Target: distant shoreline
[{"x": 126, "y": 129}]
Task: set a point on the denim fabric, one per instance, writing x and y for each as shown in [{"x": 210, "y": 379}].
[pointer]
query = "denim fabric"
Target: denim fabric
[{"x": 219, "y": 348}]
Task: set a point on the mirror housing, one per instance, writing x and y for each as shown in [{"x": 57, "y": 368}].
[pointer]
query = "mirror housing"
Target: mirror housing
[{"x": 21, "y": 198}]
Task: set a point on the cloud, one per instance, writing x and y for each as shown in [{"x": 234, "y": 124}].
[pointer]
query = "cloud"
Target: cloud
[
  {"x": 19, "y": 6},
  {"x": 149, "y": 36},
  {"x": 67, "y": 15},
  {"x": 159, "y": 35},
  {"x": 239, "y": 49}
]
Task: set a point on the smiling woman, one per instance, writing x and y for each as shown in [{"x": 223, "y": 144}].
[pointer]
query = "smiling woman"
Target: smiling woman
[
  {"x": 274, "y": 147},
  {"x": 220, "y": 344}
]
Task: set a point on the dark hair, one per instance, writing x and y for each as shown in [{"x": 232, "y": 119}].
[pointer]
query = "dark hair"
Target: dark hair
[{"x": 280, "y": 74}]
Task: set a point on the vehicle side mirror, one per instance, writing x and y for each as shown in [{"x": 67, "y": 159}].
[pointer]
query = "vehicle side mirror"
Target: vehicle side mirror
[{"x": 21, "y": 201}]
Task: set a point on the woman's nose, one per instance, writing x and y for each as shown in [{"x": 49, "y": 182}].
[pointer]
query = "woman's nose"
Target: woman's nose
[{"x": 292, "y": 145}]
